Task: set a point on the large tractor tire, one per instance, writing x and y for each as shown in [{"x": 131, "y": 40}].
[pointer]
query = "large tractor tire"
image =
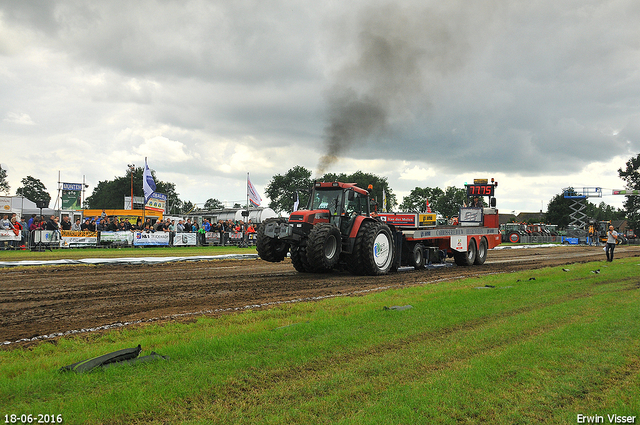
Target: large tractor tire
[
  {"x": 514, "y": 237},
  {"x": 299, "y": 259},
  {"x": 481, "y": 255},
  {"x": 271, "y": 249},
  {"x": 324, "y": 246},
  {"x": 374, "y": 250},
  {"x": 467, "y": 258}
]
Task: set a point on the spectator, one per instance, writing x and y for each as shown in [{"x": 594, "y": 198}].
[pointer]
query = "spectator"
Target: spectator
[
  {"x": 180, "y": 227},
  {"x": 85, "y": 226},
  {"x": 223, "y": 233},
  {"x": 5, "y": 223},
  {"x": 52, "y": 223},
  {"x": 195, "y": 226},
  {"x": 66, "y": 223},
  {"x": 206, "y": 225},
  {"x": 17, "y": 230},
  {"x": 76, "y": 227},
  {"x": 102, "y": 225},
  {"x": 159, "y": 226},
  {"x": 33, "y": 217},
  {"x": 25, "y": 231},
  {"x": 127, "y": 226},
  {"x": 35, "y": 224},
  {"x": 172, "y": 226},
  {"x": 612, "y": 240},
  {"x": 187, "y": 226},
  {"x": 113, "y": 224}
]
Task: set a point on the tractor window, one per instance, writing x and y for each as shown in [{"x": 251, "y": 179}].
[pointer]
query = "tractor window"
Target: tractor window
[
  {"x": 326, "y": 200},
  {"x": 358, "y": 205}
]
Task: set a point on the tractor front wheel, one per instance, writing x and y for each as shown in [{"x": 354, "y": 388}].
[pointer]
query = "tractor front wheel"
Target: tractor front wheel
[
  {"x": 323, "y": 247},
  {"x": 271, "y": 249},
  {"x": 299, "y": 259}
]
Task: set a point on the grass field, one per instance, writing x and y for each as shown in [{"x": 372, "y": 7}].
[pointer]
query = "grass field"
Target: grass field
[{"x": 526, "y": 351}]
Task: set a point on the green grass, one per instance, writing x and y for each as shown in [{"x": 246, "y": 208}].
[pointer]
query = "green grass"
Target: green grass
[
  {"x": 79, "y": 253},
  {"x": 524, "y": 352}
]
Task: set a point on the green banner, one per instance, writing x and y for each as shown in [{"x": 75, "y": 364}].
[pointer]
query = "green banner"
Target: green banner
[{"x": 71, "y": 196}]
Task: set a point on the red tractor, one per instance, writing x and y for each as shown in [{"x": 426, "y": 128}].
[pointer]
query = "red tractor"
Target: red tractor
[{"x": 336, "y": 229}]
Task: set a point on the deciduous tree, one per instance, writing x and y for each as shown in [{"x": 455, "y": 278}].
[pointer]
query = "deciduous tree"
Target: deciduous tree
[
  {"x": 282, "y": 188},
  {"x": 109, "y": 194},
  {"x": 4, "y": 184},
  {"x": 631, "y": 176},
  {"x": 363, "y": 180},
  {"x": 213, "y": 204},
  {"x": 446, "y": 202},
  {"x": 34, "y": 190}
]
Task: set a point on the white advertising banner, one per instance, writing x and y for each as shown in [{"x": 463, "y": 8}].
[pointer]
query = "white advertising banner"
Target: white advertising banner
[
  {"x": 185, "y": 239},
  {"x": 8, "y": 235},
  {"x": 154, "y": 239},
  {"x": 116, "y": 237},
  {"x": 212, "y": 237}
]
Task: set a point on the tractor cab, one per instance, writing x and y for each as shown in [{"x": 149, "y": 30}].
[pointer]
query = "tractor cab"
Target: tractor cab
[{"x": 335, "y": 203}]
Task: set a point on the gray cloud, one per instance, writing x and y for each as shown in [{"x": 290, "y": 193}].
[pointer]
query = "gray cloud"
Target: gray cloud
[{"x": 525, "y": 88}]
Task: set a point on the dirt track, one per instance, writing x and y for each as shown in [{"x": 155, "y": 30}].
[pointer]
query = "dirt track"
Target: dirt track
[{"x": 36, "y": 301}]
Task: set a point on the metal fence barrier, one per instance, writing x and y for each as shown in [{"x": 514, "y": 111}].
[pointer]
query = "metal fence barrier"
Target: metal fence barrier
[{"x": 55, "y": 239}]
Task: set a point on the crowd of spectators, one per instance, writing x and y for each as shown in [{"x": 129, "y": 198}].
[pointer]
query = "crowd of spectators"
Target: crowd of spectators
[
  {"x": 10, "y": 222},
  {"x": 114, "y": 224}
]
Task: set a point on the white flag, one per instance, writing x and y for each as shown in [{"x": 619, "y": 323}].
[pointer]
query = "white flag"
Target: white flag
[
  {"x": 296, "y": 202},
  {"x": 384, "y": 201},
  {"x": 252, "y": 193},
  {"x": 148, "y": 185}
]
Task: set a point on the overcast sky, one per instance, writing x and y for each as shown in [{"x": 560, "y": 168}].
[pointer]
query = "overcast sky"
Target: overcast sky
[{"x": 539, "y": 94}]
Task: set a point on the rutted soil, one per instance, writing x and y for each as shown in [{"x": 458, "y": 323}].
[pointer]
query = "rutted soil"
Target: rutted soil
[{"x": 36, "y": 301}]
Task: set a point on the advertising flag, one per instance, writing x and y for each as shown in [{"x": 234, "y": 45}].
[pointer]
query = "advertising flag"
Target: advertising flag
[
  {"x": 296, "y": 202},
  {"x": 384, "y": 201},
  {"x": 252, "y": 193},
  {"x": 148, "y": 185}
]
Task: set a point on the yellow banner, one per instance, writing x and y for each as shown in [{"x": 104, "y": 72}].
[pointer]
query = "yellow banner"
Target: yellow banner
[{"x": 78, "y": 234}]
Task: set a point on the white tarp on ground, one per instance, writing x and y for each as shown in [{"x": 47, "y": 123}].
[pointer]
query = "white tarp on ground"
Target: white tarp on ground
[{"x": 140, "y": 260}]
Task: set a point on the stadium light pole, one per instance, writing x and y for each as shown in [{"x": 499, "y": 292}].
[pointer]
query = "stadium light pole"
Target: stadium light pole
[{"x": 132, "y": 167}]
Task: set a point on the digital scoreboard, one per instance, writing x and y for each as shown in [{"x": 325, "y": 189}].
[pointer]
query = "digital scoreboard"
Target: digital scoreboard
[{"x": 480, "y": 190}]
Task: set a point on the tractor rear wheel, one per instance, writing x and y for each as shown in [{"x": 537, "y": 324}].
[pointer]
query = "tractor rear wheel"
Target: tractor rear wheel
[
  {"x": 374, "y": 250},
  {"x": 271, "y": 249},
  {"x": 467, "y": 258},
  {"x": 323, "y": 247}
]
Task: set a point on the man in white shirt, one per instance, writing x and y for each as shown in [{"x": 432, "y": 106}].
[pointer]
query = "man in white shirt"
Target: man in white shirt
[{"x": 612, "y": 238}]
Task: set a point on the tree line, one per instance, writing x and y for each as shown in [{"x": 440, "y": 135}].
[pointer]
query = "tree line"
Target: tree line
[{"x": 283, "y": 189}]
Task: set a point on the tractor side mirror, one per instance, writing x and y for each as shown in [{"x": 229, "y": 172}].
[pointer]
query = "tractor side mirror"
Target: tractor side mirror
[
  {"x": 493, "y": 202},
  {"x": 351, "y": 195}
]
